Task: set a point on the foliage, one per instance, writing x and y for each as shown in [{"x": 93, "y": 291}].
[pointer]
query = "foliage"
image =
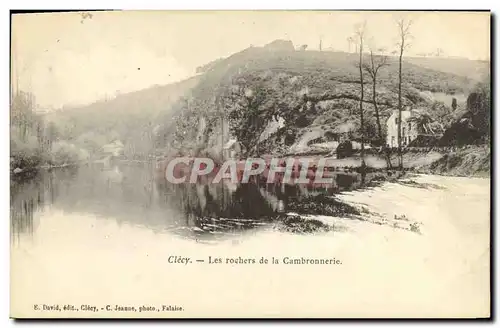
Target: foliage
[
  {"x": 132, "y": 118},
  {"x": 473, "y": 126},
  {"x": 34, "y": 141},
  {"x": 24, "y": 150},
  {"x": 64, "y": 152},
  {"x": 344, "y": 149},
  {"x": 22, "y": 116}
]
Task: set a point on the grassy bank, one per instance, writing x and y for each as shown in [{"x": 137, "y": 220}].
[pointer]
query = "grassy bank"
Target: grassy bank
[
  {"x": 470, "y": 161},
  {"x": 465, "y": 161}
]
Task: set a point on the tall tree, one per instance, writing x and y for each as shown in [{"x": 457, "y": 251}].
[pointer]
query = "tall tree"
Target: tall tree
[
  {"x": 404, "y": 34},
  {"x": 360, "y": 34},
  {"x": 21, "y": 108},
  {"x": 377, "y": 61}
]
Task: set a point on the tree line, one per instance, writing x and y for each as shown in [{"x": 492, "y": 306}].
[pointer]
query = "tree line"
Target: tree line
[{"x": 35, "y": 141}]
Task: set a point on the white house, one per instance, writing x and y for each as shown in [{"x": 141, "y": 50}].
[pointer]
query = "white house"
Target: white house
[
  {"x": 409, "y": 129},
  {"x": 114, "y": 148}
]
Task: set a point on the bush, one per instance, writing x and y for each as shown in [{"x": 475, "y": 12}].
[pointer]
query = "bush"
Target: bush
[
  {"x": 24, "y": 152},
  {"x": 66, "y": 153},
  {"x": 344, "y": 149}
]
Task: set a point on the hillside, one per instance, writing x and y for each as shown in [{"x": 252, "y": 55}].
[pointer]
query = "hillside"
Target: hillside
[
  {"x": 130, "y": 118},
  {"x": 315, "y": 95},
  {"x": 474, "y": 69}
]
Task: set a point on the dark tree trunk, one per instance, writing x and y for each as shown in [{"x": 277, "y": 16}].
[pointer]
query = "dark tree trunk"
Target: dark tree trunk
[
  {"x": 377, "y": 115},
  {"x": 361, "y": 116},
  {"x": 400, "y": 155},
  {"x": 379, "y": 126}
]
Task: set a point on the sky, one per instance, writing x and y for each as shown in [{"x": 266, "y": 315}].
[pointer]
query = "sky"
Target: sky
[{"x": 70, "y": 59}]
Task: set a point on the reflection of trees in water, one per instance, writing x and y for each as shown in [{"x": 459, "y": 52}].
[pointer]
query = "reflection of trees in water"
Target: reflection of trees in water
[
  {"x": 22, "y": 206},
  {"x": 130, "y": 193},
  {"x": 27, "y": 196},
  {"x": 210, "y": 209},
  {"x": 125, "y": 193}
]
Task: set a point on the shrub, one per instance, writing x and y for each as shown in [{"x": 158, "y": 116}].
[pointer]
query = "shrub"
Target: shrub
[
  {"x": 66, "y": 153},
  {"x": 344, "y": 149},
  {"x": 24, "y": 152}
]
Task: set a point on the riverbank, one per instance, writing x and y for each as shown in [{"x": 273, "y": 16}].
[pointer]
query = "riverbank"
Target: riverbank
[
  {"x": 30, "y": 171},
  {"x": 471, "y": 161}
]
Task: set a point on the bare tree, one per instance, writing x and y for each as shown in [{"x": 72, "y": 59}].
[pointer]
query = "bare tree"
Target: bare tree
[
  {"x": 377, "y": 61},
  {"x": 22, "y": 107},
  {"x": 404, "y": 34},
  {"x": 360, "y": 34}
]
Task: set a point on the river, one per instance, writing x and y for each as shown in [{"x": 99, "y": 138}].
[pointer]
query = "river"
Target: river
[
  {"x": 133, "y": 194},
  {"x": 99, "y": 236}
]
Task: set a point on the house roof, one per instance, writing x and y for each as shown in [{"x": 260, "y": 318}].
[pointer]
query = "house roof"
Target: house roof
[
  {"x": 404, "y": 113},
  {"x": 113, "y": 147}
]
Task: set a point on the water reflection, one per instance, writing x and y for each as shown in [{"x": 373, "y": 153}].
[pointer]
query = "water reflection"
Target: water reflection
[
  {"x": 131, "y": 194},
  {"x": 28, "y": 196}
]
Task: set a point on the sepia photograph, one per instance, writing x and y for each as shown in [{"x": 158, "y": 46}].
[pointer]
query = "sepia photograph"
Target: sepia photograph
[{"x": 250, "y": 164}]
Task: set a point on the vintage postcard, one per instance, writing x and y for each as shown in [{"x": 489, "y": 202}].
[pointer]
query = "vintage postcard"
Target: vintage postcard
[{"x": 250, "y": 164}]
